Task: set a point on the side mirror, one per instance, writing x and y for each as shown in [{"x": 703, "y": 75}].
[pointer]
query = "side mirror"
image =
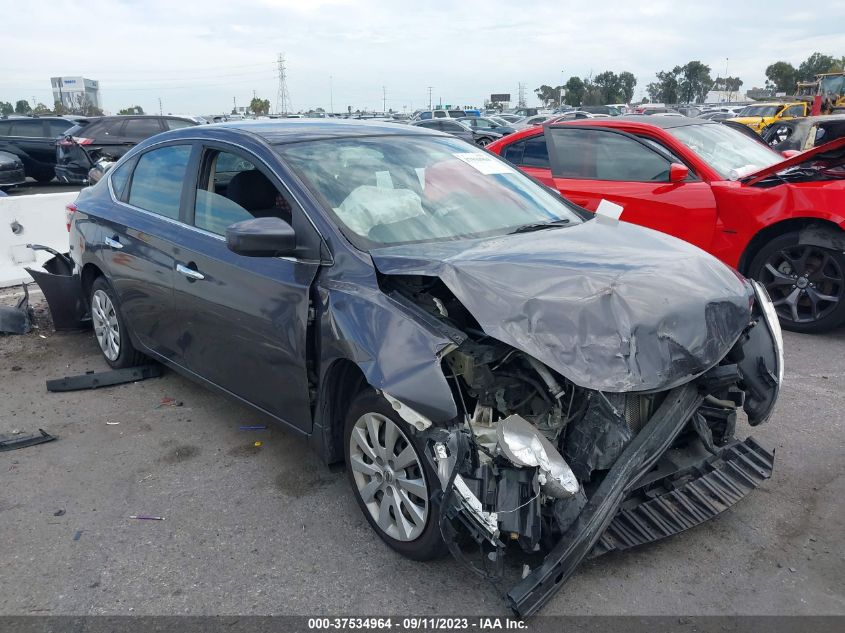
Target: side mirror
[
  {"x": 678, "y": 172},
  {"x": 261, "y": 237}
]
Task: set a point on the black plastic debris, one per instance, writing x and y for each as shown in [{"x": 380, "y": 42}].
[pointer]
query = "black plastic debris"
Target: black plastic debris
[
  {"x": 17, "y": 319},
  {"x": 92, "y": 380},
  {"x": 26, "y": 440},
  {"x": 62, "y": 289}
]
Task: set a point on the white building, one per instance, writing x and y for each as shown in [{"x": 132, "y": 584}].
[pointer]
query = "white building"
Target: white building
[{"x": 76, "y": 92}]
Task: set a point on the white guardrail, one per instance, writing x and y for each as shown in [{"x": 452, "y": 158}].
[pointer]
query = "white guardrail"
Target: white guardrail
[{"x": 34, "y": 219}]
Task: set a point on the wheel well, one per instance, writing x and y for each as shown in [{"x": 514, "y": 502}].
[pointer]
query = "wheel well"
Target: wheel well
[
  {"x": 90, "y": 272},
  {"x": 770, "y": 232},
  {"x": 343, "y": 381}
]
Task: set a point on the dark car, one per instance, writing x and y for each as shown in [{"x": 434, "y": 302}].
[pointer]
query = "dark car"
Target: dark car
[
  {"x": 803, "y": 133},
  {"x": 106, "y": 137},
  {"x": 497, "y": 369},
  {"x": 484, "y": 124},
  {"x": 11, "y": 170},
  {"x": 33, "y": 140},
  {"x": 462, "y": 130}
]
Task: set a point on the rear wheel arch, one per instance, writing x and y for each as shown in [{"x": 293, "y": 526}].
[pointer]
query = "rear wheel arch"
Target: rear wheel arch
[
  {"x": 89, "y": 274},
  {"x": 825, "y": 228}
]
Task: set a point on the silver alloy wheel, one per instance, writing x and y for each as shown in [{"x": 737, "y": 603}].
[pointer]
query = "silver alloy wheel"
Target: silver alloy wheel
[
  {"x": 389, "y": 476},
  {"x": 106, "y": 327}
]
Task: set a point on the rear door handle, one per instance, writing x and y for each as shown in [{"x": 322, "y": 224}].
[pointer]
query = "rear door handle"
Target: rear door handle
[
  {"x": 190, "y": 273},
  {"x": 113, "y": 243}
]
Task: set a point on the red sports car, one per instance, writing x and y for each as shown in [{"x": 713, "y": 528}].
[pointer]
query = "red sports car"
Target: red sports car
[{"x": 780, "y": 221}]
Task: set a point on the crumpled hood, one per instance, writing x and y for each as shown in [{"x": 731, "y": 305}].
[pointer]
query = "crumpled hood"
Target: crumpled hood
[{"x": 610, "y": 306}]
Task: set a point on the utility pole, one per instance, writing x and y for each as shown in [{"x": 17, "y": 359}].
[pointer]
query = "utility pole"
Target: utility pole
[
  {"x": 560, "y": 91},
  {"x": 234, "y": 105},
  {"x": 521, "y": 102},
  {"x": 383, "y": 100},
  {"x": 159, "y": 107},
  {"x": 331, "y": 96},
  {"x": 429, "y": 96}
]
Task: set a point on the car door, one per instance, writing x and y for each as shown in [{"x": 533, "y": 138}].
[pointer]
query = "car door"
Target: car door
[
  {"x": 244, "y": 321},
  {"x": 590, "y": 164},
  {"x": 138, "y": 242}
]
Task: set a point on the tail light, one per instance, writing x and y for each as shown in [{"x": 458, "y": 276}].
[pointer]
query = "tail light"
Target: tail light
[
  {"x": 68, "y": 141},
  {"x": 70, "y": 209}
]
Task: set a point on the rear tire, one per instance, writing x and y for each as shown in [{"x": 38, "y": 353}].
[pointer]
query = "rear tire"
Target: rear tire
[
  {"x": 392, "y": 480},
  {"x": 110, "y": 327},
  {"x": 484, "y": 141},
  {"x": 806, "y": 283}
]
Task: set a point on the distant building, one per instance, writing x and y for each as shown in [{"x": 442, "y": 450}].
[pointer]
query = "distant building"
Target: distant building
[{"x": 76, "y": 92}]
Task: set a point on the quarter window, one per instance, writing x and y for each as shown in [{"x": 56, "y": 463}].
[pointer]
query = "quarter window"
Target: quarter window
[
  {"x": 599, "y": 155},
  {"x": 139, "y": 129},
  {"x": 158, "y": 178},
  {"x": 58, "y": 128},
  {"x": 176, "y": 124}
]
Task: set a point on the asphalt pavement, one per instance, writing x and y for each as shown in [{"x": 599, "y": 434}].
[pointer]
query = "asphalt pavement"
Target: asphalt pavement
[{"x": 268, "y": 529}]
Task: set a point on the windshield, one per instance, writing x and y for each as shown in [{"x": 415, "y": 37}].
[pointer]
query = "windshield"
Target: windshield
[
  {"x": 759, "y": 110},
  {"x": 728, "y": 151},
  {"x": 399, "y": 189},
  {"x": 832, "y": 86}
]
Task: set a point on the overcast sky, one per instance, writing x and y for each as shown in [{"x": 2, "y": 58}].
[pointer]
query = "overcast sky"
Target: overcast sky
[{"x": 197, "y": 56}]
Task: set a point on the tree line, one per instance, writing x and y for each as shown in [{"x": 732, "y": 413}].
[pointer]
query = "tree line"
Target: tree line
[{"x": 688, "y": 83}]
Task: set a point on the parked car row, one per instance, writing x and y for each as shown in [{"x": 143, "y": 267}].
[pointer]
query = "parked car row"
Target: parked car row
[{"x": 67, "y": 147}]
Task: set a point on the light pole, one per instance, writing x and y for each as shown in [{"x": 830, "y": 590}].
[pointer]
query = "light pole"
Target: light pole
[
  {"x": 331, "y": 95},
  {"x": 560, "y": 91}
]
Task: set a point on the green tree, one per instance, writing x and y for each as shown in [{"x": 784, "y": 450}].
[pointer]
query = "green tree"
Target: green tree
[
  {"x": 666, "y": 88},
  {"x": 574, "y": 91},
  {"x": 6, "y": 108},
  {"x": 627, "y": 83},
  {"x": 548, "y": 95},
  {"x": 22, "y": 107},
  {"x": 781, "y": 77},
  {"x": 814, "y": 65},
  {"x": 40, "y": 109},
  {"x": 59, "y": 107},
  {"x": 259, "y": 106},
  {"x": 694, "y": 81},
  {"x": 132, "y": 110},
  {"x": 608, "y": 86}
]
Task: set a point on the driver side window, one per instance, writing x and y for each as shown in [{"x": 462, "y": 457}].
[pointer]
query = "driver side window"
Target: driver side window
[
  {"x": 232, "y": 189},
  {"x": 601, "y": 155}
]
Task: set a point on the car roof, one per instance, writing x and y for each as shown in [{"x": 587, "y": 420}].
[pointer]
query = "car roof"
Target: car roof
[
  {"x": 276, "y": 131},
  {"x": 663, "y": 122}
]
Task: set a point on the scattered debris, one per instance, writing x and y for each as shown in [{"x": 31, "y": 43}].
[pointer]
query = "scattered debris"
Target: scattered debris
[
  {"x": 17, "y": 319},
  {"x": 26, "y": 440},
  {"x": 77, "y": 535},
  {"x": 112, "y": 423},
  {"x": 146, "y": 517},
  {"x": 169, "y": 402},
  {"x": 258, "y": 444},
  {"x": 62, "y": 290},
  {"x": 91, "y": 380},
  {"x": 16, "y": 367},
  {"x": 792, "y": 569},
  {"x": 256, "y": 427},
  {"x": 59, "y": 513}
]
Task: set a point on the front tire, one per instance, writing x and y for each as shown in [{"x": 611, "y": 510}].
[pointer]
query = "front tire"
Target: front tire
[
  {"x": 110, "y": 327},
  {"x": 806, "y": 283},
  {"x": 484, "y": 141},
  {"x": 392, "y": 481}
]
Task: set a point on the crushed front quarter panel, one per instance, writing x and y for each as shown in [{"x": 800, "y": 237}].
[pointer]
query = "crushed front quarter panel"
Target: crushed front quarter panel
[{"x": 586, "y": 302}]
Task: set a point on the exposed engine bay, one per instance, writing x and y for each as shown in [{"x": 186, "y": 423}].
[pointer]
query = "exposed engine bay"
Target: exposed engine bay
[{"x": 534, "y": 457}]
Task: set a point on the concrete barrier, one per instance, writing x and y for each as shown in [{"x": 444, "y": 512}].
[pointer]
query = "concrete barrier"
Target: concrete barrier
[{"x": 35, "y": 219}]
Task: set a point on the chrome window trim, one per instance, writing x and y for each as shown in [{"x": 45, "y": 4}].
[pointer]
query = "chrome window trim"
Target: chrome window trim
[{"x": 196, "y": 229}]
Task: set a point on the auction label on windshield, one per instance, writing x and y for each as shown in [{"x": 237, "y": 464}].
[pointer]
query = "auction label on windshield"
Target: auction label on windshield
[{"x": 484, "y": 163}]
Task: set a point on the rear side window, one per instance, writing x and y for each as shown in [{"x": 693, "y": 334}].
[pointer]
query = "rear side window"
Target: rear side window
[
  {"x": 119, "y": 178},
  {"x": 513, "y": 152},
  {"x": 536, "y": 154},
  {"x": 59, "y": 127},
  {"x": 5, "y": 126},
  {"x": 30, "y": 128},
  {"x": 158, "y": 178},
  {"x": 101, "y": 130},
  {"x": 139, "y": 129},
  {"x": 176, "y": 124}
]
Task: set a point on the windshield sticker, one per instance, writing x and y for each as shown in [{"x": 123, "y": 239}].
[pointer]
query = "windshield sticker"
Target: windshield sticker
[{"x": 484, "y": 163}]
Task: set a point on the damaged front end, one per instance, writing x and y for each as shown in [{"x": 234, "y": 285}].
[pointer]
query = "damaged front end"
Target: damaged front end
[{"x": 555, "y": 472}]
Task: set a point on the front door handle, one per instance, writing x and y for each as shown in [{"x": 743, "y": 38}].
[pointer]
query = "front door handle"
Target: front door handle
[
  {"x": 109, "y": 241},
  {"x": 190, "y": 273}
]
